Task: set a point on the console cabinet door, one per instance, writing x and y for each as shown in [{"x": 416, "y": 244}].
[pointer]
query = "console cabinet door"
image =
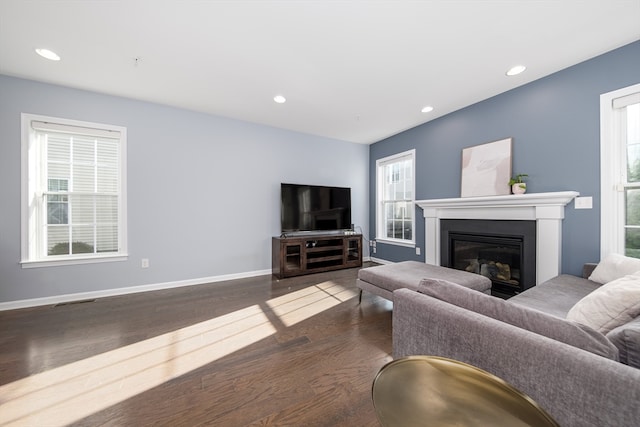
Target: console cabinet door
[
  {"x": 353, "y": 252},
  {"x": 292, "y": 258},
  {"x": 287, "y": 257}
]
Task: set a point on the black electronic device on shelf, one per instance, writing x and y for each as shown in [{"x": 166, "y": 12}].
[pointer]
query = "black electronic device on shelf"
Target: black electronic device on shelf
[{"x": 314, "y": 208}]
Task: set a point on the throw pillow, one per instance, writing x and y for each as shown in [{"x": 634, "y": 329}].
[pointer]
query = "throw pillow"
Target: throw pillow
[
  {"x": 611, "y": 305},
  {"x": 535, "y": 321},
  {"x": 614, "y": 266}
]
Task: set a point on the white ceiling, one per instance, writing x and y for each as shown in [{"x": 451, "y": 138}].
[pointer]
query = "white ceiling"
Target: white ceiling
[{"x": 357, "y": 71}]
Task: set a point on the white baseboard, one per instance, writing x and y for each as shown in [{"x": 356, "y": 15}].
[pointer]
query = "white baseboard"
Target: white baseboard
[
  {"x": 57, "y": 299},
  {"x": 381, "y": 261}
]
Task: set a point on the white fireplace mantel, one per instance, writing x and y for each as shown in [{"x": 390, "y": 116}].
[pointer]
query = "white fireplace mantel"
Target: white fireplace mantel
[{"x": 547, "y": 209}]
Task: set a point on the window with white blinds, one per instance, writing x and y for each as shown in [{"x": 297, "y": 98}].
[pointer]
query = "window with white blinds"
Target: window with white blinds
[
  {"x": 74, "y": 207},
  {"x": 396, "y": 198},
  {"x": 620, "y": 172}
]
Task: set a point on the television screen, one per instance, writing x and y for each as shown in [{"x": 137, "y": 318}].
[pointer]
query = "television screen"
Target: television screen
[{"x": 314, "y": 208}]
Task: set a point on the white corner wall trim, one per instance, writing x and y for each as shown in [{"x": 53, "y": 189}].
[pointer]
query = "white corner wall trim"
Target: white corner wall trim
[{"x": 57, "y": 299}]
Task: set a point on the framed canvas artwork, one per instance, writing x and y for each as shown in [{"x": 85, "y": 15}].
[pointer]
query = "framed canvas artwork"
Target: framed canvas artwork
[{"x": 486, "y": 169}]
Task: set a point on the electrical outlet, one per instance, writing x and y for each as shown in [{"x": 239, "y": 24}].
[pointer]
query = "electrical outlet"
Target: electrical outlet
[
  {"x": 583, "y": 203},
  {"x": 374, "y": 249},
  {"x": 417, "y": 250},
  {"x": 145, "y": 263}
]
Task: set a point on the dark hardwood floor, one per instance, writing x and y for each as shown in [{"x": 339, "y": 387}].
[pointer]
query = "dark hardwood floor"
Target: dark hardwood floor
[{"x": 247, "y": 352}]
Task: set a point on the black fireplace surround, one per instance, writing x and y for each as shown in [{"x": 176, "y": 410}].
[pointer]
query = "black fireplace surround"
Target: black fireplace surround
[{"x": 502, "y": 250}]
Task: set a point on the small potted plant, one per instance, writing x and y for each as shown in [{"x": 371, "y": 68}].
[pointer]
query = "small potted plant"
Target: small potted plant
[{"x": 518, "y": 186}]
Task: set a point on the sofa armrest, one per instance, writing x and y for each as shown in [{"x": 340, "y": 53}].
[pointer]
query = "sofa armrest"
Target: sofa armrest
[
  {"x": 576, "y": 387},
  {"x": 588, "y": 268}
]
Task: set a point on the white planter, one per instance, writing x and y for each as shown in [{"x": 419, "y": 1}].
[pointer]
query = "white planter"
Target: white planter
[{"x": 519, "y": 188}]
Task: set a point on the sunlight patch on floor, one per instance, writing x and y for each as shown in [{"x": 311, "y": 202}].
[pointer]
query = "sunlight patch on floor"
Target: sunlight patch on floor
[
  {"x": 298, "y": 306},
  {"x": 69, "y": 393}
]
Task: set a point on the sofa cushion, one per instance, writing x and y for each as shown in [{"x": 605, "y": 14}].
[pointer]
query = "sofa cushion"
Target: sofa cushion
[
  {"x": 614, "y": 266},
  {"x": 556, "y": 296},
  {"x": 627, "y": 339},
  {"x": 535, "y": 321},
  {"x": 611, "y": 305}
]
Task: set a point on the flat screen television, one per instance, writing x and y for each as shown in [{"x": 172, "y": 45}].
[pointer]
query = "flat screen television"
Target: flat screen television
[{"x": 314, "y": 208}]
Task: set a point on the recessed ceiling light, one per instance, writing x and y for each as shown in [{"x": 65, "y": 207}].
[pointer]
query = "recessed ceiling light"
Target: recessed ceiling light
[
  {"x": 516, "y": 70},
  {"x": 280, "y": 99},
  {"x": 46, "y": 53},
  {"x": 427, "y": 109}
]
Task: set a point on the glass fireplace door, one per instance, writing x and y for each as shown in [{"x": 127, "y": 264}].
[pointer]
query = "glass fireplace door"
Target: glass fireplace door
[{"x": 498, "y": 258}]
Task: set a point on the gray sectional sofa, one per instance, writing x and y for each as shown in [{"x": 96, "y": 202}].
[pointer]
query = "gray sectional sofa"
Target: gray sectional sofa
[{"x": 580, "y": 376}]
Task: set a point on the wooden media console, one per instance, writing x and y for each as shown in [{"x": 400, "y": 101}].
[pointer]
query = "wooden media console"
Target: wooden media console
[{"x": 298, "y": 255}]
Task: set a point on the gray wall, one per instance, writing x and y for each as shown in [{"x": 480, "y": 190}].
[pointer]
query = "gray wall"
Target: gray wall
[
  {"x": 203, "y": 191},
  {"x": 555, "y": 126}
]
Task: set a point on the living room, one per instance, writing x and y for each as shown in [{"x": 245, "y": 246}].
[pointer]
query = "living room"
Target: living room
[{"x": 202, "y": 189}]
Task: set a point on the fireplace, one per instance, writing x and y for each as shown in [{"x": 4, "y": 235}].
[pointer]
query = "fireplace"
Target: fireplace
[
  {"x": 502, "y": 250},
  {"x": 545, "y": 209}
]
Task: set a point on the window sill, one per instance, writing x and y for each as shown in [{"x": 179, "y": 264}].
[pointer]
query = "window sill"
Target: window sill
[
  {"x": 404, "y": 243},
  {"x": 73, "y": 261}
]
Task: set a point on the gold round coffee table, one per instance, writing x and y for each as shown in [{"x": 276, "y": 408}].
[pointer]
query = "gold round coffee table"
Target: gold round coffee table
[{"x": 435, "y": 391}]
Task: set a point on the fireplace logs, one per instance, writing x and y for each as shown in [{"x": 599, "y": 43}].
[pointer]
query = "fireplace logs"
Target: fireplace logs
[{"x": 494, "y": 270}]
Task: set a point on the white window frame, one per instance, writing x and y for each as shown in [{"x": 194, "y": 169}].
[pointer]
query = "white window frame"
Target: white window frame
[
  {"x": 380, "y": 179},
  {"x": 32, "y": 253},
  {"x": 613, "y": 172}
]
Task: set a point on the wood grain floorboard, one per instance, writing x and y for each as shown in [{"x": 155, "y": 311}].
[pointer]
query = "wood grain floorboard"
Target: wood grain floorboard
[{"x": 309, "y": 359}]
